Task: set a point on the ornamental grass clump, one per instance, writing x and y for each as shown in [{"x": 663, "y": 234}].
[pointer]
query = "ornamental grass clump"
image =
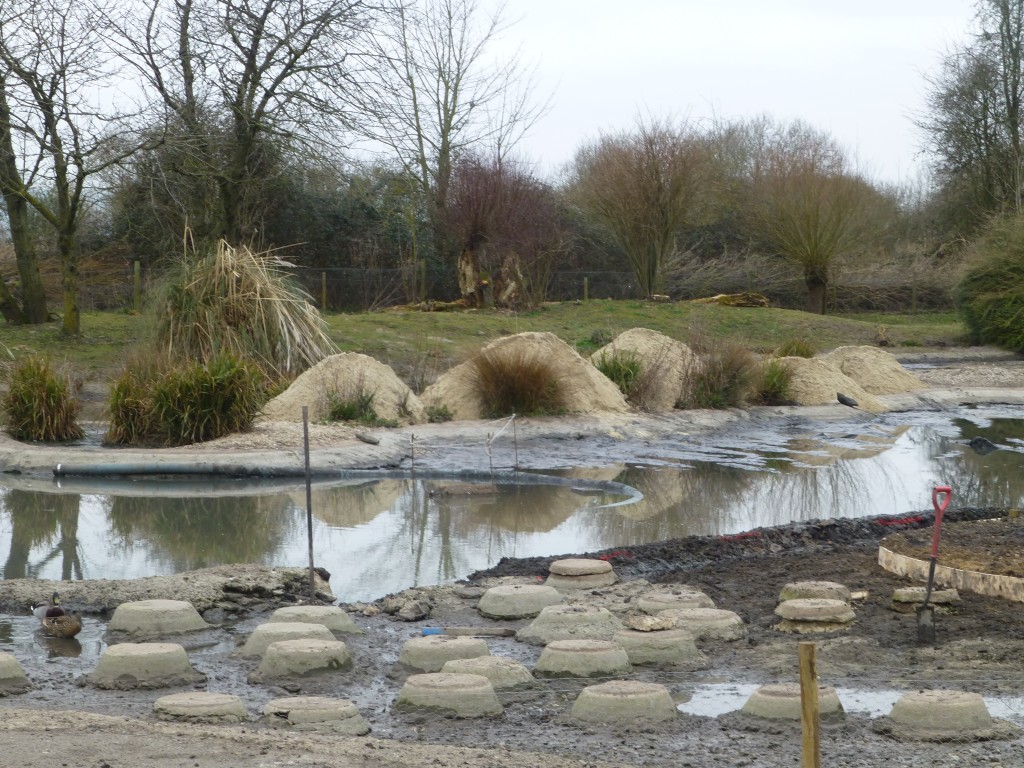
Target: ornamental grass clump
[
  {"x": 185, "y": 404},
  {"x": 232, "y": 300},
  {"x": 622, "y": 368},
  {"x": 516, "y": 381},
  {"x": 795, "y": 348},
  {"x": 771, "y": 385},
  {"x": 724, "y": 378},
  {"x": 39, "y": 404}
]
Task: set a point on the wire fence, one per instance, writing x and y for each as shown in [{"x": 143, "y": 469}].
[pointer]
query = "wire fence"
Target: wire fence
[{"x": 347, "y": 289}]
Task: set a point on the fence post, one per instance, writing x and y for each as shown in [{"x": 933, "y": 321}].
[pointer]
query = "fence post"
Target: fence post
[
  {"x": 323, "y": 291},
  {"x": 137, "y": 287},
  {"x": 809, "y": 714},
  {"x": 586, "y": 288}
]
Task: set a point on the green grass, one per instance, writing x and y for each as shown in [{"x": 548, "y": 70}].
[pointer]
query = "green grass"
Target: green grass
[{"x": 422, "y": 345}]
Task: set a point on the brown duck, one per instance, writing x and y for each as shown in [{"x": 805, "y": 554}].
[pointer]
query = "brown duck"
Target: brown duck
[
  {"x": 68, "y": 625},
  {"x": 55, "y": 621}
]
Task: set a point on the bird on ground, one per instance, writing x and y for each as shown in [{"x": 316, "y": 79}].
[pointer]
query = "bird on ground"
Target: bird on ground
[
  {"x": 50, "y": 609},
  {"x": 66, "y": 625},
  {"x": 846, "y": 400}
]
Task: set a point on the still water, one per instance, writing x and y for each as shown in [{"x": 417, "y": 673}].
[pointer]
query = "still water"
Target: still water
[{"x": 382, "y": 535}]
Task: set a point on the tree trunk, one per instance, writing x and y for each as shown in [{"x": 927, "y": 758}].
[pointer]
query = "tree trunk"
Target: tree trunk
[
  {"x": 33, "y": 297},
  {"x": 470, "y": 288},
  {"x": 68, "y": 249},
  {"x": 817, "y": 293},
  {"x": 9, "y": 307}
]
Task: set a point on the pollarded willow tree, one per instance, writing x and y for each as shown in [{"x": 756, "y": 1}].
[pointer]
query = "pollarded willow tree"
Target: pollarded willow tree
[
  {"x": 242, "y": 83},
  {"x": 644, "y": 188},
  {"x": 807, "y": 204}
]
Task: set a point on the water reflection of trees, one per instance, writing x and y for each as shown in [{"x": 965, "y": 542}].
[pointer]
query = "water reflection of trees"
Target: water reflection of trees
[
  {"x": 48, "y": 520},
  {"x": 993, "y": 480},
  {"x": 353, "y": 504},
  {"x": 201, "y": 531}
]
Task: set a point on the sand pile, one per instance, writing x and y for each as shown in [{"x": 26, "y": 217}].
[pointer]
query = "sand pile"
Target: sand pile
[
  {"x": 874, "y": 369},
  {"x": 583, "y": 387},
  {"x": 664, "y": 366},
  {"x": 346, "y": 376},
  {"x": 816, "y": 382}
]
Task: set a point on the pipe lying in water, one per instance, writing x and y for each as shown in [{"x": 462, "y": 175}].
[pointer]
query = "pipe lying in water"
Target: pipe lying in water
[
  {"x": 196, "y": 468},
  {"x": 209, "y": 469}
]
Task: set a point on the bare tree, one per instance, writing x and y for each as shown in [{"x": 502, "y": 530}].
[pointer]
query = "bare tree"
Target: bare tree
[
  {"x": 644, "y": 188},
  {"x": 808, "y": 204},
  {"x": 242, "y": 81},
  {"x": 56, "y": 129},
  {"x": 973, "y": 122},
  {"x": 437, "y": 96}
]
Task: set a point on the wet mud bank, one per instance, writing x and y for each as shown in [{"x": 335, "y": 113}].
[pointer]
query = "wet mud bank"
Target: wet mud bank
[{"x": 660, "y": 560}]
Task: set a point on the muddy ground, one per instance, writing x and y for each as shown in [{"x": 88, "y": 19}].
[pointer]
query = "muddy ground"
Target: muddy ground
[
  {"x": 65, "y": 721},
  {"x": 978, "y": 648}
]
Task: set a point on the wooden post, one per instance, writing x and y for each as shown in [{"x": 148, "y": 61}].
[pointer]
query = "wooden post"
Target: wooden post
[
  {"x": 809, "y": 714},
  {"x": 586, "y": 288},
  {"x": 309, "y": 502},
  {"x": 323, "y": 291},
  {"x": 137, "y": 288}
]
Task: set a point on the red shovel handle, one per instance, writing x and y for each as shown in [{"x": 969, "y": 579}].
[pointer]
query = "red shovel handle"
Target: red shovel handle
[{"x": 940, "y": 507}]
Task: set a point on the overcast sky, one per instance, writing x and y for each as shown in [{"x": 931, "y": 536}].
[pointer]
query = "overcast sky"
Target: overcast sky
[{"x": 855, "y": 69}]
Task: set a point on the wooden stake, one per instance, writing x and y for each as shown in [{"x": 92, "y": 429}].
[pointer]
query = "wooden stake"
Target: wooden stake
[
  {"x": 809, "y": 713},
  {"x": 309, "y": 502}
]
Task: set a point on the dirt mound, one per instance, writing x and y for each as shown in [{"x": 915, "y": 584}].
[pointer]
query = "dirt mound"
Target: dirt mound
[
  {"x": 584, "y": 388},
  {"x": 664, "y": 365},
  {"x": 347, "y": 376},
  {"x": 817, "y": 382},
  {"x": 874, "y": 369}
]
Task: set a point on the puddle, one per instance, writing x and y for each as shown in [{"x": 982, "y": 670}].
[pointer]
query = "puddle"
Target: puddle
[
  {"x": 717, "y": 699},
  {"x": 382, "y": 535}
]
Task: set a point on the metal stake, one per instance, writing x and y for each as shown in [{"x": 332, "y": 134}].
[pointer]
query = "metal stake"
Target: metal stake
[{"x": 309, "y": 501}]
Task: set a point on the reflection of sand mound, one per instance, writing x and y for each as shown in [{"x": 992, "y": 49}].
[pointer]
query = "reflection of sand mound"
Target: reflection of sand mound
[
  {"x": 816, "y": 382},
  {"x": 513, "y": 508},
  {"x": 664, "y": 365},
  {"x": 875, "y": 370},
  {"x": 818, "y": 453},
  {"x": 346, "y": 506},
  {"x": 583, "y": 387},
  {"x": 346, "y": 375}
]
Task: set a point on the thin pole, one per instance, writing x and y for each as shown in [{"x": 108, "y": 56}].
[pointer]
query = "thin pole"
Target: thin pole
[
  {"x": 412, "y": 454},
  {"x": 809, "y": 714},
  {"x": 515, "y": 441},
  {"x": 309, "y": 501}
]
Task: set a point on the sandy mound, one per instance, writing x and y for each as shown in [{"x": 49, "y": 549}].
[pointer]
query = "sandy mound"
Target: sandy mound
[
  {"x": 346, "y": 375},
  {"x": 585, "y": 389},
  {"x": 664, "y": 365},
  {"x": 816, "y": 382},
  {"x": 874, "y": 369}
]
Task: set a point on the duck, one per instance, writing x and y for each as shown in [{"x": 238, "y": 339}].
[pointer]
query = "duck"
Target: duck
[
  {"x": 66, "y": 625},
  {"x": 49, "y": 609}
]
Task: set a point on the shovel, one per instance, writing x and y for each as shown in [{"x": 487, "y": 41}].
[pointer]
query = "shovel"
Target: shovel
[{"x": 925, "y": 612}]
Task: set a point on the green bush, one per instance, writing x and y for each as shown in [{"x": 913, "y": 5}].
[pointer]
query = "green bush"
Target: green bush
[
  {"x": 990, "y": 296},
  {"x": 185, "y": 404},
  {"x": 724, "y": 379},
  {"x": 771, "y": 384},
  {"x": 39, "y": 405},
  {"x": 438, "y": 414},
  {"x": 795, "y": 348},
  {"x": 516, "y": 382},
  {"x": 623, "y": 368},
  {"x": 357, "y": 407}
]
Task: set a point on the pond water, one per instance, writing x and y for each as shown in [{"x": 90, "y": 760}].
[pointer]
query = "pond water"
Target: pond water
[{"x": 380, "y": 535}]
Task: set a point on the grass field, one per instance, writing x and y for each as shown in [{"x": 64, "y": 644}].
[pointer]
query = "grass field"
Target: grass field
[{"x": 421, "y": 345}]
